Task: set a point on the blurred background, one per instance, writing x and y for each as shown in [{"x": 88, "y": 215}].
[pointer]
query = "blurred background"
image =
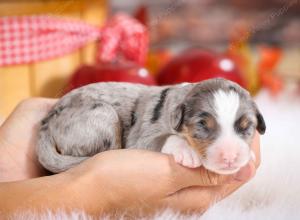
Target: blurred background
[
  {"x": 49, "y": 47},
  {"x": 70, "y": 43}
]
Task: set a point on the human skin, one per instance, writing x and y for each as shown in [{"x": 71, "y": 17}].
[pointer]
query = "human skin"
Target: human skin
[{"x": 135, "y": 181}]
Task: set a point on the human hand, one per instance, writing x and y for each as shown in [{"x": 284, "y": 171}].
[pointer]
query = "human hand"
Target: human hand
[
  {"x": 18, "y": 140},
  {"x": 136, "y": 180},
  {"x": 113, "y": 180}
]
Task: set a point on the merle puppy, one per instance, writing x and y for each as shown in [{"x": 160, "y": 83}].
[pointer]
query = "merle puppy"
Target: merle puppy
[{"x": 211, "y": 123}]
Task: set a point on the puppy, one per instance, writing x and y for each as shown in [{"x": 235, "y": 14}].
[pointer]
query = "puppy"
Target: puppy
[{"x": 211, "y": 123}]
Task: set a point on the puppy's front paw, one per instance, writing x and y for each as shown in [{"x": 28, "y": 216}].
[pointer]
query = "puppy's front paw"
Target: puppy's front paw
[
  {"x": 186, "y": 157},
  {"x": 182, "y": 153}
]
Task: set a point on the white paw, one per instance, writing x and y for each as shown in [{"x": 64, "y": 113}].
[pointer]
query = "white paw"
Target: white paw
[
  {"x": 182, "y": 152},
  {"x": 186, "y": 157}
]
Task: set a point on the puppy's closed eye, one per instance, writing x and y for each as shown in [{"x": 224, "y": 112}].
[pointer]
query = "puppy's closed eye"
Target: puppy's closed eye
[
  {"x": 206, "y": 121},
  {"x": 202, "y": 123},
  {"x": 243, "y": 125}
]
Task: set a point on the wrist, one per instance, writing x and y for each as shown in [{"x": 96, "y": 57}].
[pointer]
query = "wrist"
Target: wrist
[{"x": 37, "y": 195}]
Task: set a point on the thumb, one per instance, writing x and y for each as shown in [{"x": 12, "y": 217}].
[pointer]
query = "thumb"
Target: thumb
[{"x": 200, "y": 198}]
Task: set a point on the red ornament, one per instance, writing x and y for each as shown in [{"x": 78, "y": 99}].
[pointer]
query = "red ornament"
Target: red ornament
[
  {"x": 123, "y": 39},
  {"x": 142, "y": 15},
  {"x": 122, "y": 53},
  {"x": 110, "y": 72},
  {"x": 195, "y": 65}
]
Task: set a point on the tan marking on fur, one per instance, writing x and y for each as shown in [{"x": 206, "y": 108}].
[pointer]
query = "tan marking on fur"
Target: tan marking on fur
[
  {"x": 199, "y": 146},
  {"x": 118, "y": 137},
  {"x": 209, "y": 122},
  {"x": 57, "y": 149},
  {"x": 244, "y": 123}
]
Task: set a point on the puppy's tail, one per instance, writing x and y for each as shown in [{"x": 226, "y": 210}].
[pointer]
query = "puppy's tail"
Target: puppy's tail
[{"x": 50, "y": 158}]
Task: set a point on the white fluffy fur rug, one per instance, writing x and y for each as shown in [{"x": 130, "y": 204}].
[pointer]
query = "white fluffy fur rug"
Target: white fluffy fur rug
[{"x": 274, "y": 193}]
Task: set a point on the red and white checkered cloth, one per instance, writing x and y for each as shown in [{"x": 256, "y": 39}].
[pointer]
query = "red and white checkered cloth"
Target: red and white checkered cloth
[{"x": 29, "y": 39}]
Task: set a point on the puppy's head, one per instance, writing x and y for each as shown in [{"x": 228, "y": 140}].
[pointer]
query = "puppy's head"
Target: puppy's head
[{"x": 218, "y": 118}]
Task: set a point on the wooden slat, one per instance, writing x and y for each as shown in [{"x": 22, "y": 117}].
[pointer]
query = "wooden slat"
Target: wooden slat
[
  {"x": 14, "y": 86},
  {"x": 94, "y": 12},
  {"x": 14, "y": 8},
  {"x": 51, "y": 77},
  {"x": 47, "y": 78}
]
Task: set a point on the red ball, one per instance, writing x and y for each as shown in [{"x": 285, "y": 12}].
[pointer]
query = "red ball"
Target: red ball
[
  {"x": 110, "y": 72},
  {"x": 195, "y": 65}
]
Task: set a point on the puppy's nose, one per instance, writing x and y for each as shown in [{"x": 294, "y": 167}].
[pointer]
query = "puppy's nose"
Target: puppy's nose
[{"x": 228, "y": 158}]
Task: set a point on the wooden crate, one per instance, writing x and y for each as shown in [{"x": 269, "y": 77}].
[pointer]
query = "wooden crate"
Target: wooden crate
[{"x": 46, "y": 78}]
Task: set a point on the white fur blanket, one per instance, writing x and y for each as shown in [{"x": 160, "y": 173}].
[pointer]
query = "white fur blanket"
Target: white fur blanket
[{"x": 274, "y": 193}]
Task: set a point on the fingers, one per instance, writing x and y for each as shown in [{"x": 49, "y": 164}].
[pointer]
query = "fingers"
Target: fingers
[
  {"x": 31, "y": 108},
  {"x": 19, "y": 129},
  {"x": 200, "y": 198},
  {"x": 249, "y": 172},
  {"x": 256, "y": 149},
  {"x": 184, "y": 177},
  {"x": 18, "y": 138},
  {"x": 204, "y": 188},
  {"x": 245, "y": 173},
  {"x": 195, "y": 198},
  {"x": 30, "y": 111},
  {"x": 36, "y": 104}
]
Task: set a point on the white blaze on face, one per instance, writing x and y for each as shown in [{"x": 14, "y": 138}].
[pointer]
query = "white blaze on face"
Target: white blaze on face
[
  {"x": 226, "y": 107},
  {"x": 229, "y": 152}
]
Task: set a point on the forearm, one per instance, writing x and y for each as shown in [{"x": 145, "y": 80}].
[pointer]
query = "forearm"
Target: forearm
[{"x": 55, "y": 193}]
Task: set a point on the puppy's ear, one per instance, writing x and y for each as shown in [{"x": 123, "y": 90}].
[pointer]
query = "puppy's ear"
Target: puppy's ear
[
  {"x": 177, "y": 117},
  {"x": 261, "y": 125}
]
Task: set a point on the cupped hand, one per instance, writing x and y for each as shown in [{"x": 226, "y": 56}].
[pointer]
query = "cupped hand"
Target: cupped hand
[
  {"x": 18, "y": 140},
  {"x": 144, "y": 181}
]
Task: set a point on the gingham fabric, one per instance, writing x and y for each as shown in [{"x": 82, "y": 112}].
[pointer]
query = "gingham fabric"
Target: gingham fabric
[{"x": 29, "y": 39}]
